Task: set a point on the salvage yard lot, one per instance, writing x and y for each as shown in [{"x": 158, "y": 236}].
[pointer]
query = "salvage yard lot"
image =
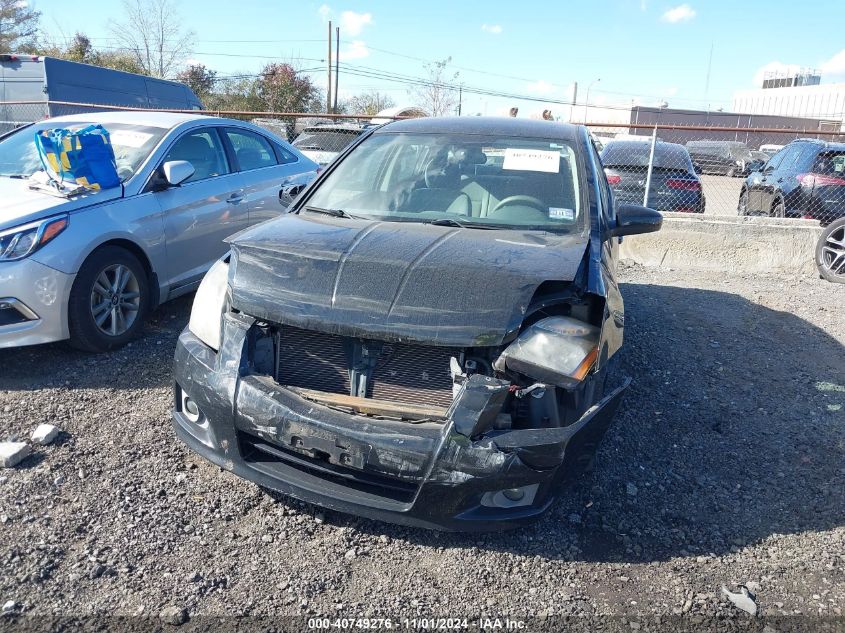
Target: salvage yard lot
[{"x": 724, "y": 466}]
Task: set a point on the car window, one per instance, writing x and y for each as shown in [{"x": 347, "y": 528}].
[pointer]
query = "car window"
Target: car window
[
  {"x": 791, "y": 155},
  {"x": 489, "y": 180},
  {"x": 774, "y": 161},
  {"x": 637, "y": 155},
  {"x": 203, "y": 149},
  {"x": 830, "y": 164},
  {"x": 284, "y": 156},
  {"x": 131, "y": 144},
  {"x": 253, "y": 151},
  {"x": 604, "y": 188}
]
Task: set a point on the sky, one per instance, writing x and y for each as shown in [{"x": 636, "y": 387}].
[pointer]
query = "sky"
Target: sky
[{"x": 619, "y": 51}]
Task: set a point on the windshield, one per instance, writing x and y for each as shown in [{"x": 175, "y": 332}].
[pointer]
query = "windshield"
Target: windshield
[
  {"x": 470, "y": 180},
  {"x": 636, "y": 155},
  {"x": 325, "y": 141},
  {"x": 131, "y": 144}
]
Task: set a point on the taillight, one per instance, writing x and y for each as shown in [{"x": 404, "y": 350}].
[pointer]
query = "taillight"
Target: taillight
[
  {"x": 613, "y": 179},
  {"x": 688, "y": 185},
  {"x": 819, "y": 180}
]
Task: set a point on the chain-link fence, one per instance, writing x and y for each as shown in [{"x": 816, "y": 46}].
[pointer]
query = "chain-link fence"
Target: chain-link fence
[
  {"x": 723, "y": 171},
  {"x": 747, "y": 172}
]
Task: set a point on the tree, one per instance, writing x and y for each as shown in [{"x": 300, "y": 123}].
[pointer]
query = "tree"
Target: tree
[
  {"x": 370, "y": 103},
  {"x": 437, "y": 94},
  {"x": 80, "y": 49},
  {"x": 152, "y": 34},
  {"x": 198, "y": 78},
  {"x": 282, "y": 89},
  {"x": 18, "y": 26}
]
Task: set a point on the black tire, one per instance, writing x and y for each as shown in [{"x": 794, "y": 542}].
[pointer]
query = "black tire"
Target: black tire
[
  {"x": 832, "y": 267},
  {"x": 778, "y": 209},
  {"x": 742, "y": 205},
  {"x": 85, "y": 333}
]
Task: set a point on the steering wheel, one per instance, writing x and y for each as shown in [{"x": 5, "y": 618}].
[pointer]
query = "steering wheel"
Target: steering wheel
[
  {"x": 531, "y": 201},
  {"x": 429, "y": 173}
]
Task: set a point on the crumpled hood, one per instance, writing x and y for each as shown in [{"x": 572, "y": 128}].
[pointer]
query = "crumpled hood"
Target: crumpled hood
[
  {"x": 396, "y": 280},
  {"x": 19, "y": 204}
]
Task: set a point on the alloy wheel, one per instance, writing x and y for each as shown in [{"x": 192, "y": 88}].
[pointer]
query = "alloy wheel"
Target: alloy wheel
[
  {"x": 115, "y": 299},
  {"x": 833, "y": 252}
]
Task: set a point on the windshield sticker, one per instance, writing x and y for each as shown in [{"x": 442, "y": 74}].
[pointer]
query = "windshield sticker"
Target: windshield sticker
[
  {"x": 127, "y": 138},
  {"x": 558, "y": 213},
  {"x": 532, "y": 160}
]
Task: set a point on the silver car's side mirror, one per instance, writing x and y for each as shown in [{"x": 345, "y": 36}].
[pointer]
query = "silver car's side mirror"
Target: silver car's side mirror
[{"x": 177, "y": 171}]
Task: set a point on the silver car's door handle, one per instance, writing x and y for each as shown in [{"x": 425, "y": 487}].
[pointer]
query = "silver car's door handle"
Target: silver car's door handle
[{"x": 235, "y": 198}]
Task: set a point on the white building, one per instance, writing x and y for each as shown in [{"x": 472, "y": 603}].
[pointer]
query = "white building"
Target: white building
[{"x": 822, "y": 101}]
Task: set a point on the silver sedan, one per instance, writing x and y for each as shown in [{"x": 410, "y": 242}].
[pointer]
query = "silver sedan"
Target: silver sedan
[{"x": 89, "y": 266}]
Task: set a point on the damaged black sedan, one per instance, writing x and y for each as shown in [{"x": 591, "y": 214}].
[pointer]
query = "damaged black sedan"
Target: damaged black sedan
[{"x": 425, "y": 337}]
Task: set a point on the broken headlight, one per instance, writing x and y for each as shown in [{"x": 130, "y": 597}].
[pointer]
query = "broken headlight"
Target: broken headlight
[
  {"x": 556, "y": 350},
  {"x": 209, "y": 304}
]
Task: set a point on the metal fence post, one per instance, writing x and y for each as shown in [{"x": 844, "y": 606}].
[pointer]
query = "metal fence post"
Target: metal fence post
[{"x": 650, "y": 165}]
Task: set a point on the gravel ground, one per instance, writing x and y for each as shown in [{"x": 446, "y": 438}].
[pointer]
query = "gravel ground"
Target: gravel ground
[{"x": 724, "y": 467}]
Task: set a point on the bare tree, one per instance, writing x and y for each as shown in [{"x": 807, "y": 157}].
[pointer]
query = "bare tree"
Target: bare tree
[
  {"x": 151, "y": 32},
  {"x": 437, "y": 94},
  {"x": 18, "y": 26},
  {"x": 371, "y": 103}
]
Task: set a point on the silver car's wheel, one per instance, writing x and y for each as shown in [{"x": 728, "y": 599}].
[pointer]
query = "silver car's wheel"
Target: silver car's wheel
[
  {"x": 115, "y": 299},
  {"x": 830, "y": 252}
]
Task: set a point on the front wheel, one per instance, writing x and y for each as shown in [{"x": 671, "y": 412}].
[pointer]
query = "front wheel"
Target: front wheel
[
  {"x": 743, "y": 202},
  {"x": 778, "y": 209},
  {"x": 108, "y": 301},
  {"x": 731, "y": 172},
  {"x": 830, "y": 252}
]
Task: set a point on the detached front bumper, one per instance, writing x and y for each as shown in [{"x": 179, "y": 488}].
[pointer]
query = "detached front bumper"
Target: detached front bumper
[
  {"x": 33, "y": 303},
  {"x": 429, "y": 474}
]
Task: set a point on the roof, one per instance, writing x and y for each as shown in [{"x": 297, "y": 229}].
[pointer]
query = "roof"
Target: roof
[
  {"x": 505, "y": 126},
  {"x": 334, "y": 127},
  {"x": 646, "y": 140},
  {"x": 153, "y": 119}
]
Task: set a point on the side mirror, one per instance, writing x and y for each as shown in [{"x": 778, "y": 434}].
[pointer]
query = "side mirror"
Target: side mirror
[
  {"x": 177, "y": 171},
  {"x": 288, "y": 193},
  {"x": 755, "y": 165},
  {"x": 634, "y": 220},
  {"x": 696, "y": 168}
]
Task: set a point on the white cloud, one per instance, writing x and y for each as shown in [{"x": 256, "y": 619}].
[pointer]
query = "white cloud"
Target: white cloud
[
  {"x": 681, "y": 13},
  {"x": 325, "y": 12},
  {"x": 643, "y": 6},
  {"x": 352, "y": 23},
  {"x": 775, "y": 68},
  {"x": 495, "y": 29},
  {"x": 835, "y": 66},
  {"x": 540, "y": 87},
  {"x": 356, "y": 50},
  {"x": 670, "y": 92}
]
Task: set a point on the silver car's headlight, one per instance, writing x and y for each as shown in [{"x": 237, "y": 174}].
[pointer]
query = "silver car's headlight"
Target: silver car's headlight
[
  {"x": 22, "y": 241},
  {"x": 556, "y": 350},
  {"x": 209, "y": 304}
]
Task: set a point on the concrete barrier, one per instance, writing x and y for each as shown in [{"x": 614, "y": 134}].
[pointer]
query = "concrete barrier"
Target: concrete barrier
[{"x": 746, "y": 244}]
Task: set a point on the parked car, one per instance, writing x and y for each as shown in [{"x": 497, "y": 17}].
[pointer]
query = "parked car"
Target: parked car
[
  {"x": 758, "y": 159},
  {"x": 89, "y": 266},
  {"x": 425, "y": 338},
  {"x": 674, "y": 186},
  {"x": 804, "y": 179},
  {"x": 45, "y": 84},
  {"x": 727, "y": 158},
  {"x": 830, "y": 252},
  {"x": 322, "y": 143}
]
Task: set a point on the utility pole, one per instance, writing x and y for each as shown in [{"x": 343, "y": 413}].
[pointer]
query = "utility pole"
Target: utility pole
[
  {"x": 336, "y": 65},
  {"x": 329, "y": 88},
  {"x": 460, "y": 97}
]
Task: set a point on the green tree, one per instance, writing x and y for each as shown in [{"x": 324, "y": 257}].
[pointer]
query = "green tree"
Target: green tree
[
  {"x": 18, "y": 26},
  {"x": 198, "y": 78},
  {"x": 282, "y": 89}
]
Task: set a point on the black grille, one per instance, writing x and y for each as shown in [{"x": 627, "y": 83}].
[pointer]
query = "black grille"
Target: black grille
[
  {"x": 275, "y": 459},
  {"x": 413, "y": 374}
]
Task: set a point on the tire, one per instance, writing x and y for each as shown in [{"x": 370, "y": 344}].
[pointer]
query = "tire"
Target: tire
[
  {"x": 742, "y": 205},
  {"x": 97, "y": 322},
  {"x": 778, "y": 209},
  {"x": 830, "y": 252},
  {"x": 731, "y": 172}
]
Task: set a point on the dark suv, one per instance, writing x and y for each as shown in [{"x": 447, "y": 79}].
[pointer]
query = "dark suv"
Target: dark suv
[
  {"x": 728, "y": 158},
  {"x": 804, "y": 179}
]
